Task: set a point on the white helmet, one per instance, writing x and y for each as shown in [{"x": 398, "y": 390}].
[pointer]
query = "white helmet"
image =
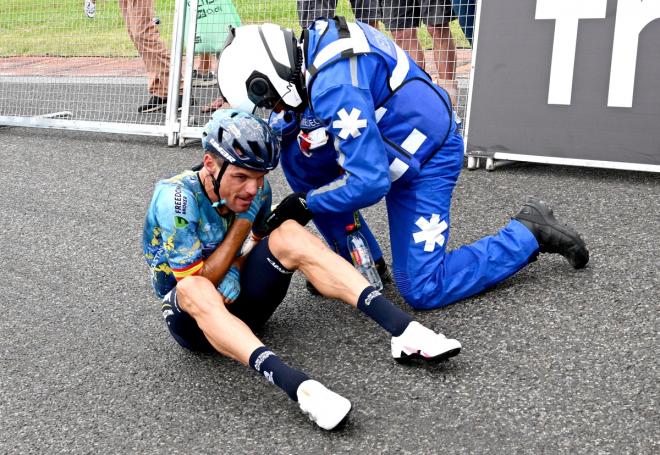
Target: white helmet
[{"x": 261, "y": 65}]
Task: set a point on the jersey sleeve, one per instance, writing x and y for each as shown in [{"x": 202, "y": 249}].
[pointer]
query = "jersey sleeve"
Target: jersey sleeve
[
  {"x": 348, "y": 113},
  {"x": 178, "y": 217}
]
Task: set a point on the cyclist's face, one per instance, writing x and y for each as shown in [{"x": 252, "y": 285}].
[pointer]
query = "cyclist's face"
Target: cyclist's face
[{"x": 239, "y": 187}]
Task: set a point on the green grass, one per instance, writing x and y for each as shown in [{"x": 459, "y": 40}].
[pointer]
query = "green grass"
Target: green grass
[{"x": 60, "y": 28}]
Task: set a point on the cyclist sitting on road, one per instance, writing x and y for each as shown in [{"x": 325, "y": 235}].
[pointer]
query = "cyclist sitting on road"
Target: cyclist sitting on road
[{"x": 216, "y": 293}]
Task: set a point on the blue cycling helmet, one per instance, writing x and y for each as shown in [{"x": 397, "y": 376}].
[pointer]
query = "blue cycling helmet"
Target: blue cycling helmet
[{"x": 242, "y": 140}]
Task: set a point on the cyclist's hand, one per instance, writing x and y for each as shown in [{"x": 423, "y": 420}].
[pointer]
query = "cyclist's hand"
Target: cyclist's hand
[{"x": 230, "y": 287}]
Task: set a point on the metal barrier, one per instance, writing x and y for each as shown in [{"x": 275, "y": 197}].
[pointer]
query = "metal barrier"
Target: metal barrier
[
  {"x": 72, "y": 71},
  {"x": 84, "y": 73}
]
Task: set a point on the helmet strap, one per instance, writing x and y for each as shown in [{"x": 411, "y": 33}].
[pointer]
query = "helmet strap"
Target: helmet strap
[{"x": 216, "y": 184}]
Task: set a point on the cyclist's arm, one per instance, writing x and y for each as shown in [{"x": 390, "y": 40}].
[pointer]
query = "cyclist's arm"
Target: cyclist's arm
[{"x": 216, "y": 265}]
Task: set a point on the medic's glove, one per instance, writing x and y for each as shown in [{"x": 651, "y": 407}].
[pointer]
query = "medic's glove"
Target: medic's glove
[
  {"x": 230, "y": 286},
  {"x": 292, "y": 207}
]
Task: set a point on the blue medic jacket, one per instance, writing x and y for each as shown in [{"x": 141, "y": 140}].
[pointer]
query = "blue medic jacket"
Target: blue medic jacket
[{"x": 383, "y": 115}]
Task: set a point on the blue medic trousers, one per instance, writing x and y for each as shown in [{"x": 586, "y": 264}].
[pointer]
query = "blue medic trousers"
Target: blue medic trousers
[{"x": 426, "y": 275}]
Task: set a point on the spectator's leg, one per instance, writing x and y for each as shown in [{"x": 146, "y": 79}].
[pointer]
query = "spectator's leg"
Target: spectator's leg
[
  {"x": 407, "y": 40},
  {"x": 401, "y": 18},
  {"x": 138, "y": 15},
  {"x": 444, "y": 48},
  {"x": 444, "y": 51}
]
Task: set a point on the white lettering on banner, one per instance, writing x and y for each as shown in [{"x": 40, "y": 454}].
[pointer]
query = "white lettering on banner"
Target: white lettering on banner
[
  {"x": 631, "y": 18},
  {"x": 567, "y": 14}
]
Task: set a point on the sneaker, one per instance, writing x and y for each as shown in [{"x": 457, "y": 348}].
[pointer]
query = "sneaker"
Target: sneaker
[
  {"x": 552, "y": 236},
  {"x": 323, "y": 406},
  {"x": 155, "y": 104},
  {"x": 381, "y": 267},
  {"x": 200, "y": 79},
  {"x": 419, "y": 342},
  {"x": 90, "y": 9}
]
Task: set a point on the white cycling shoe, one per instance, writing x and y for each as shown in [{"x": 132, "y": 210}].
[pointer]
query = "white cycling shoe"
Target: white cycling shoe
[
  {"x": 418, "y": 341},
  {"x": 323, "y": 406}
]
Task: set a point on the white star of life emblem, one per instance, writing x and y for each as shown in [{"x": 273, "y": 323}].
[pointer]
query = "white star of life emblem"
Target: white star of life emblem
[
  {"x": 432, "y": 232},
  {"x": 349, "y": 124}
]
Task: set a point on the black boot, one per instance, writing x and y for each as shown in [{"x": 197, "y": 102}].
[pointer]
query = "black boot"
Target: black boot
[
  {"x": 552, "y": 236},
  {"x": 381, "y": 267}
]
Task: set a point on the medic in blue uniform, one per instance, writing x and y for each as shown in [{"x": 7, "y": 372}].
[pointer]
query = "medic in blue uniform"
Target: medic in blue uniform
[{"x": 360, "y": 121}]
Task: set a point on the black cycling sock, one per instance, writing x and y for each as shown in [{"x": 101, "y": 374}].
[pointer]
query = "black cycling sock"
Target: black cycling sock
[
  {"x": 380, "y": 309},
  {"x": 264, "y": 361}
]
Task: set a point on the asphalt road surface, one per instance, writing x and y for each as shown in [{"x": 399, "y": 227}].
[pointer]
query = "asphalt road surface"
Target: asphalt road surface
[{"x": 554, "y": 360}]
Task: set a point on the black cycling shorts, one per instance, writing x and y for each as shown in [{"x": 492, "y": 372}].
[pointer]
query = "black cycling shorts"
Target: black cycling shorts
[{"x": 264, "y": 284}]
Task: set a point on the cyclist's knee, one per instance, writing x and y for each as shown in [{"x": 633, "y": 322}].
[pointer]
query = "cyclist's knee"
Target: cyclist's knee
[
  {"x": 291, "y": 243},
  {"x": 289, "y": 229},
  {"x": 196, "y": 295}
]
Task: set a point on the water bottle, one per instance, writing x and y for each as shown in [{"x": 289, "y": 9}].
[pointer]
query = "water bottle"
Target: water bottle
[{"x": 361, "y": 256}]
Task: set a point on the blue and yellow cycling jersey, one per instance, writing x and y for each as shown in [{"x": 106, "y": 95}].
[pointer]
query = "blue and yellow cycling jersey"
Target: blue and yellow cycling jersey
[{"x": 182, "y": 228}]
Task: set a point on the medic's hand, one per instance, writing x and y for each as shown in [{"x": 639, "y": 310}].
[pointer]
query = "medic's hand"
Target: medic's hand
[
  {"x": 292, "y": 207},
  {"x": 231, "y": 285}
]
